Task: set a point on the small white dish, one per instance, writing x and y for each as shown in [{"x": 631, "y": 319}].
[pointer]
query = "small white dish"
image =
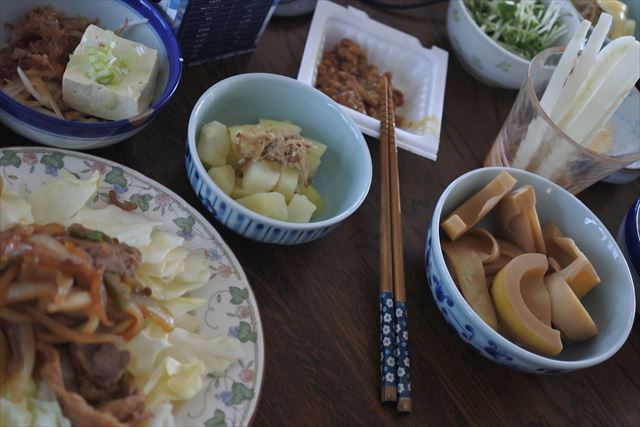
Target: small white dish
[{"x": 418, "y": 72}]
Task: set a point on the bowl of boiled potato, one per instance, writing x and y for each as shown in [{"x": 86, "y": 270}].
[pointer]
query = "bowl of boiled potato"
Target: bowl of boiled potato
[
  {"x": 275, "y": 160},
  {"x": 526, "y": 274}
]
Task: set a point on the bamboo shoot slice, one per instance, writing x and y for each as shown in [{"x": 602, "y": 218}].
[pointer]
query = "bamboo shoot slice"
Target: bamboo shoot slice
[
  {"x": 508, "y": 251},
  {"x": 512, "y": 311},
  {"x": 483, "y": 243},
  {"x": 575, "y": 267},
  {"x": 469, "y": 274},
  {"x": 567, "y": 313},
  {"x": 478, "y": 206},
  {"x": 518, "y": 220}
]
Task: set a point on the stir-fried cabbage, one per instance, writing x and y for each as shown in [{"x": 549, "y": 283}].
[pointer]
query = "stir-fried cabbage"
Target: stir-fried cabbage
[
  {"x": 13, "y": 210},
  {"x": 59, "y": 200},
  {"x": 38, "y": 407}
]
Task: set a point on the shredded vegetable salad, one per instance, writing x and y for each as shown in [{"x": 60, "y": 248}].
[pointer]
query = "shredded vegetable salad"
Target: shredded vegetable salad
[{"x": 522, "y": 27}]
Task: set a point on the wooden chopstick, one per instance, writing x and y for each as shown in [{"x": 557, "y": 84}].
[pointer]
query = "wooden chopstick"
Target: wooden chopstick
[
  {"x": 394, "y": 346},
  {"x": 387, "y": 326},
  {"x": 403, "y": 382}
]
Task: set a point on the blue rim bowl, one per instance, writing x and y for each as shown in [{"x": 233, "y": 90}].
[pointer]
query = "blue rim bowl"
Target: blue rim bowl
[
  {"x": 157, "y": 34},
  {"x": 611, "y": 304},
  {"x": 344, "y": 176}
]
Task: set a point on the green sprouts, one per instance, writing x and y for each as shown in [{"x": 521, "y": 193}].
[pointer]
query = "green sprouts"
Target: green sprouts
[{"x": 523, "y": 27}]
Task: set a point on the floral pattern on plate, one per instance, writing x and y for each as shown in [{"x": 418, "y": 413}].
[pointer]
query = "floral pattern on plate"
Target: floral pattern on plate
[{"x": 230, "y": 398}]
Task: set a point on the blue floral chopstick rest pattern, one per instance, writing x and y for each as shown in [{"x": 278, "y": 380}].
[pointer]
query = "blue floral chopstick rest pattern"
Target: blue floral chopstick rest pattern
[
  {"x": 387, "y": 339},
  {"x": 402, "y": 350}
]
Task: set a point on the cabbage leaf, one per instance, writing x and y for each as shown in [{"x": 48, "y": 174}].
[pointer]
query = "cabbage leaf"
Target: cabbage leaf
[
  {"x": 59, "y": 200},
  {"x": 13, "y": 210}
]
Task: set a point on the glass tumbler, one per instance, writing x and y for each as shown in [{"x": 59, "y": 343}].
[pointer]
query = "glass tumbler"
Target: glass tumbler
[{"x": 530, "y": 140}]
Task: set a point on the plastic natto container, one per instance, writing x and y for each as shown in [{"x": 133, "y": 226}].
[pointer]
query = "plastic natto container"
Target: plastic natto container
[{"x": 418, "y": 72}]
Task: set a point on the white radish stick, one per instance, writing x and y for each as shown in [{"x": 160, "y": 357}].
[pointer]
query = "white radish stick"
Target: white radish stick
[
  {"x": 571, "y": 90},
  {"x": 601, "y": 75},
  {"x": 583, "y": 65},
  {"x": 620, "y": 78},
  {"x": 608, "y": 97},
  {"x": 564, "y": 67},
  {"x": 531, "y": 144}
]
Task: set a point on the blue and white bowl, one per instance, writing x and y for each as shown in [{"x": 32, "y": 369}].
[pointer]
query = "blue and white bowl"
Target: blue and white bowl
[
  {"x": 611, "y": 304},
  {"x": 157, "y": 34},
  {"x": 629, "y": 241},
  {"x": 344, "y": 176}
]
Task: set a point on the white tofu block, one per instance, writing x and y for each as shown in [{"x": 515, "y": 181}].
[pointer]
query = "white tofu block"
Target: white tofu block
[{"x": 110, "y": 77}]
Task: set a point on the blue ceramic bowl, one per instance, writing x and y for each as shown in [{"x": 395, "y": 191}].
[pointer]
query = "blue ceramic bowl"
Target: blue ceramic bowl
[
  {"x": 611, "y": 304},
  {"x": 111, "y": 14},
  {"x": 343, "y": 179},
  {"x": 629, "y": 241}
]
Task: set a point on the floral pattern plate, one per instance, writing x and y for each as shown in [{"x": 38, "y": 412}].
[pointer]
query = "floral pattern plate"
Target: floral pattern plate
[{"x": 229, "y": 399}]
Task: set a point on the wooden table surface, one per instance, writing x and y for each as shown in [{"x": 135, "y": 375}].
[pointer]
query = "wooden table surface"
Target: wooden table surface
[{"x": 319, "y": 301}]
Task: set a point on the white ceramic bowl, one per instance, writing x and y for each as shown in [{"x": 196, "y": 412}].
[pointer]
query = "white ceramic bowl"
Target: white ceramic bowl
[
  {"x": 344, "y": 176},
  {"x": 487, "y": 60},
  {"x": 111, "y": 14},
  {"x": 611, "y": 304}
]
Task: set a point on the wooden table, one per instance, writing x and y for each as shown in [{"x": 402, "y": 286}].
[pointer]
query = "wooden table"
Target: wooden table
[{"x": 319, "y": 301}]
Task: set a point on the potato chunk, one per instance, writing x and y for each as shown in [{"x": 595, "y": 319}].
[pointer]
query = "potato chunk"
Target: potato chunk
[
  {"x": 300, "y": 208},
  {"x": 281, "y": 126},
  {"x": 270, "y": 204},
  {"x": 260, "y": 176},
  {"x": 213, "y": 144},
  {"x": 314, "y": 197},
  {"x": 224, "y": 177},
  {"x": 315, "y": 153},
  {"x": 287, "y": 183}
]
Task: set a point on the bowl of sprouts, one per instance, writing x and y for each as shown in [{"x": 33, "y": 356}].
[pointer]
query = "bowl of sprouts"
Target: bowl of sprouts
[
  {"x": 83, "y": 75},
  {"x": 495, "y": 40}
]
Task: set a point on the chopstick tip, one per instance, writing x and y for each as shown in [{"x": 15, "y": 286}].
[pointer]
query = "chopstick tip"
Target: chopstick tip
[
  {"x": 389, "y": 394},
  {"x": 404, "y": 405}
]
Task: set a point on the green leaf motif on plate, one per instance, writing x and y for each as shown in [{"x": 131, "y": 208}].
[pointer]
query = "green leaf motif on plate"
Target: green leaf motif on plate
[
  {"x": 238, "y": 295},
  {"x": 116, "y": 177},
  {"x": 142, "y": 200},
  {"x": 218, "y": 419},
  {"x": 245, "y": 333},
  {"x": 240, "y": 393},
  {"x": 185, "y": 224},
  {"x": 456, "y": 15},
  {"x": 53, "y": 160},
  {"x": 9, "y": 158}
]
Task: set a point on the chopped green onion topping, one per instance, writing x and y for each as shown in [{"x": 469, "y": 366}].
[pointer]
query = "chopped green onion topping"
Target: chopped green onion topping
[{"x": 101, "y": 64}]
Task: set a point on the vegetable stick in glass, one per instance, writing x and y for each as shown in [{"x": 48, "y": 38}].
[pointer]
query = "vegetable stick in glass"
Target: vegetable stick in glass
[{"x": 531, "y": 144}]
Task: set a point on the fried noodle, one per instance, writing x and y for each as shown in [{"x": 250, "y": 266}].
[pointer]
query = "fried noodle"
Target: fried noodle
[{"x": 67, "y": 286}]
